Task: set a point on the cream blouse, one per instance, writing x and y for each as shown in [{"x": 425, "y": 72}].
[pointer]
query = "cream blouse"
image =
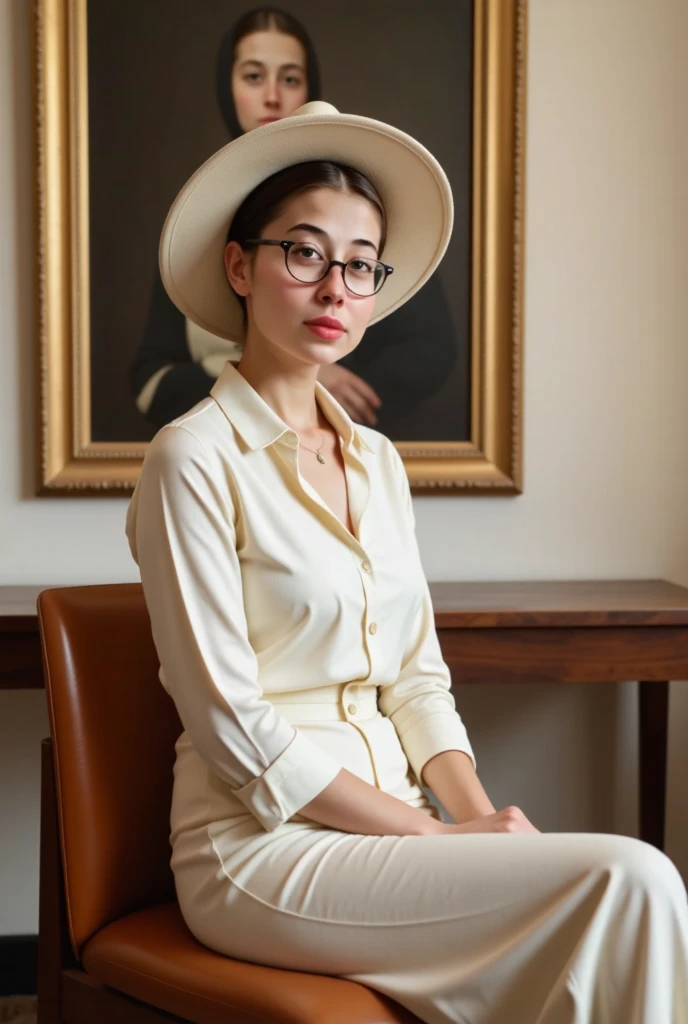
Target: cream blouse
[{"x": 255, "y": 587}]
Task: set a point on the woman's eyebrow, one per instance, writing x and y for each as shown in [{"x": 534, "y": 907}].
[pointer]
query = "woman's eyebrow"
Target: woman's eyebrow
[
  {"x": 291, "y": 66},
  {"x": 319, "y": 231}
]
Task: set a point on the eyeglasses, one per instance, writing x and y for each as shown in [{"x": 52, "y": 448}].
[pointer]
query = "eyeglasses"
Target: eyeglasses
[{"x": 362, "y": 276}]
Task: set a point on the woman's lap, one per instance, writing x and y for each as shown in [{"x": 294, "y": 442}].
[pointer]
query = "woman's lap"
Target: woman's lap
[{"x": 318, "y": 899}]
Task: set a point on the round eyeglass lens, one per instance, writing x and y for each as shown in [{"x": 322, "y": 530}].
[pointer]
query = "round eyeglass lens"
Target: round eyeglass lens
[
  {"x": 306, "y": 263},
  {"x": 362, "y": 275}
]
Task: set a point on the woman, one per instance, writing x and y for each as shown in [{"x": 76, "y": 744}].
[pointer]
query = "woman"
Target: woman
[
  {"x": 267, "y": 67},
  {"x": 296, "y": 635}
]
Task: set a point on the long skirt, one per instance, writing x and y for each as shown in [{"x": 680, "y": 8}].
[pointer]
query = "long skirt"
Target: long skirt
[{"x": 559, "y": 928}]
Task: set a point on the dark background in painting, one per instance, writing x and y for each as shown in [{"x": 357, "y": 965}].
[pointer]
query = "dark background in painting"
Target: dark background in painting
[{"x": 153, "y": 120}]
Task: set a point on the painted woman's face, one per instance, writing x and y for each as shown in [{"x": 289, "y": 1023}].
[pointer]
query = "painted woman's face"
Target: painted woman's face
[{"x": 268, "y": 78}]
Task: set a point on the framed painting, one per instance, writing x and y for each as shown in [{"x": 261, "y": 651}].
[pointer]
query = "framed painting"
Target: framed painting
[{"x": 130, "y": 98}]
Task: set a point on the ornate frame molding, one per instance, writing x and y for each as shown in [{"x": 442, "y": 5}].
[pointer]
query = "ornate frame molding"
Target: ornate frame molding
[{"x": 70, "y": 463}]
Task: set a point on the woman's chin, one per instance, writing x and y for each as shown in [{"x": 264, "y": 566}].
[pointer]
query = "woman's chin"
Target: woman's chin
[
  {"x": 306, "y": 347},
  {"x": 329, "y": 350},
  {"x": 318, "y": 350}
]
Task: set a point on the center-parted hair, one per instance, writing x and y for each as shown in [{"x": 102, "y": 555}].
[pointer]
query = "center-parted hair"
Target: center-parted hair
[{"x": 261, "y": 19}]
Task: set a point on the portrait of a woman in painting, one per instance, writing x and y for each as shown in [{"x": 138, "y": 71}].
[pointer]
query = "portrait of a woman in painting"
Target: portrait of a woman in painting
[
  {"x": 265, "y": 63},
  {"x": 153, "y": 90},
  {"x": 267, "y": 67}
]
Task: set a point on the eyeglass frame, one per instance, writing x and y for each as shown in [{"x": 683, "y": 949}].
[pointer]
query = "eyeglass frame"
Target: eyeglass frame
[{"x": 286, "y": 245}]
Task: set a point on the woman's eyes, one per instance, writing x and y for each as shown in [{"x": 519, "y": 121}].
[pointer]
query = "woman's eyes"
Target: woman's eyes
[
  {"x": 292, "y": 81},
  {"x": 307, "y": 252},
  {"x": 361, "y": 266}
]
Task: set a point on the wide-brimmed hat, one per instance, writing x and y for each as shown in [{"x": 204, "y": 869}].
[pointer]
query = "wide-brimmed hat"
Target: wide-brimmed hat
[{"x": 411, "y": 183}]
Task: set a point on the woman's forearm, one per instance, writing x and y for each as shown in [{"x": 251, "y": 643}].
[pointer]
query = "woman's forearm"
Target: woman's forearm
[
  {"x": 350, "y": 804},
  {"x": 452, "y": 778}
]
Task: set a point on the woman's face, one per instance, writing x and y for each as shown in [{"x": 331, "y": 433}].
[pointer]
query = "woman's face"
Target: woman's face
[
  {"x": 281, "y": 309},
  {"x": 268, "y": 78}
]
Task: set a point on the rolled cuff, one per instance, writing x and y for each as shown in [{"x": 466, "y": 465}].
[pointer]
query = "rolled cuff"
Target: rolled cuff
[
  {"x": 297, "y": 776},
  {"x": 433, "y": 735}
]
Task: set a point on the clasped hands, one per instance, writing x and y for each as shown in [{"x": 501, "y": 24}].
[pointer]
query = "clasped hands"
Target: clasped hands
[{"x": 509, "y": 820}]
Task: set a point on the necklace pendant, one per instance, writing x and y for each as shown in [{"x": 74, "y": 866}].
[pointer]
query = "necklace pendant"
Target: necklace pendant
[{"x": 320, "y": 459}]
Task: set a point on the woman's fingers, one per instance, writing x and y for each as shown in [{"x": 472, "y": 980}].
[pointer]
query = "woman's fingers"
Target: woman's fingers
[
  {"x": 363, "y": 400},
  {"x": 364, "y": 389},
  {"x": 508, "y": 820},
  {"x": 358, "y": 398},
  {"x": 358, "y": 407}
]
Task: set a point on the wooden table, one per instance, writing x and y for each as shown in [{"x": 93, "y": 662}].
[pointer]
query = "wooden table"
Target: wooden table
[{"x": 603, "y": 631}]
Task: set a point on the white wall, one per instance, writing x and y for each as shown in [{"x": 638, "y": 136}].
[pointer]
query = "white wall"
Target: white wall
[{"x": 606, "y": 417}]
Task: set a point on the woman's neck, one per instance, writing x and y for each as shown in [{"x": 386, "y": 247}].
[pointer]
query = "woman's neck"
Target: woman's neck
[{"x": 288, "y": 390}]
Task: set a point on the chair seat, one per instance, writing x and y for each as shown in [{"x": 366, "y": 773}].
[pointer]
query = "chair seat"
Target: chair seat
[{"x": 152, "y": 956}]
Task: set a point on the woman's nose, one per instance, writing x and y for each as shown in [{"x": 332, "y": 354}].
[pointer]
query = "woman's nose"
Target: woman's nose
[
  {"x": 332, "y": 287},
  {"x": 271, "y": 94}
]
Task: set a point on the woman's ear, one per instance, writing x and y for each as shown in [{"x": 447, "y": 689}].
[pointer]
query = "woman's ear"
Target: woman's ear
[{"x": 238, "y": 269}]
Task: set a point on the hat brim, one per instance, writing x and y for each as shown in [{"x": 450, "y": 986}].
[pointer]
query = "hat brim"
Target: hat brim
[{"x": 411, "y": 183}]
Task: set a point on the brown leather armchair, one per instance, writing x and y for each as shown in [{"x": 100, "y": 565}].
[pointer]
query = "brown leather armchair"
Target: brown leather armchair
[{"x": 113, "y": 946}]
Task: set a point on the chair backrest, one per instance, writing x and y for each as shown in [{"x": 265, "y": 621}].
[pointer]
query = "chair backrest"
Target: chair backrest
[{"x": 113, "y": 730}]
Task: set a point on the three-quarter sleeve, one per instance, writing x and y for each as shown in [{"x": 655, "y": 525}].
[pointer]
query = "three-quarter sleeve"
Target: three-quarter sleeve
[
  {"x": 420, "y": 702},
  {"x": 180, "y": 527}
]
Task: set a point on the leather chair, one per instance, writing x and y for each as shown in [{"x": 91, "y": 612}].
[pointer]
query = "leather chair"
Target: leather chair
[{"x": 113, "y": 946}]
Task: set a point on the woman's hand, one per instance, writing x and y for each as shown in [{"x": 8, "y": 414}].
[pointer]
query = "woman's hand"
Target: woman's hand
[
  {"x": 351, "y": 391},
  {"x": 510, "y": 819}
]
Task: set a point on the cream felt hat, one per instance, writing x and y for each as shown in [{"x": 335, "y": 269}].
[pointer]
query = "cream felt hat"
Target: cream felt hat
[{"x": 411, "y": 183}]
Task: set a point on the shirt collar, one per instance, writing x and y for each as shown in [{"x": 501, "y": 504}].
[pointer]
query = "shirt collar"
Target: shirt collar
[{"x": 260, "y": 426}]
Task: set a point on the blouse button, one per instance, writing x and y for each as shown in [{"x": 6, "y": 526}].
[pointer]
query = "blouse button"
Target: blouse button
[
  {"x": 365, "y": 566},
  {"x": 372, "y": 628},
  {"x": 352, "y": 709}
]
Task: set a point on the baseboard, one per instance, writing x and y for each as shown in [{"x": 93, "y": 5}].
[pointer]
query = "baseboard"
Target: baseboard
[{"x": 18, "y": 965}]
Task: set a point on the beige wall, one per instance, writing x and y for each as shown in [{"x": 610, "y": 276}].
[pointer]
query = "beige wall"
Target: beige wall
[{"x": 606, "y": 416}]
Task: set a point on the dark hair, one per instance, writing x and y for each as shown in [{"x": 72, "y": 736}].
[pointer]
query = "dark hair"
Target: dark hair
[
  {"x": 267, "y": 199},
  {"x": 261, "y": 19}
]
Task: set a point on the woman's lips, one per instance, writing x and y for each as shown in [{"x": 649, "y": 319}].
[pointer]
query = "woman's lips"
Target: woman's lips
[
  {"x": 329, "y": 333},
  {"x": 326, "y": 327}
]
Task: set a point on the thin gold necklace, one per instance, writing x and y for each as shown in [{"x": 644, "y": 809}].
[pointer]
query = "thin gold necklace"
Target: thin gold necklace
[{"x": 316, "y": 453}]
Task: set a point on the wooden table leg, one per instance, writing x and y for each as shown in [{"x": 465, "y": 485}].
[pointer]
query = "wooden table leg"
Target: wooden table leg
[{"x": 653, "y": 709}]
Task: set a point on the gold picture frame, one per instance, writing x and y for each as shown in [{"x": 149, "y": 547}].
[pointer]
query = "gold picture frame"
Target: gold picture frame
[{"x": 71, "y": 463}]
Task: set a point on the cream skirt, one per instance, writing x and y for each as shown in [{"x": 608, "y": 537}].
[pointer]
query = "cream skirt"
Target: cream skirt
[{"x": 474, "y": 929}]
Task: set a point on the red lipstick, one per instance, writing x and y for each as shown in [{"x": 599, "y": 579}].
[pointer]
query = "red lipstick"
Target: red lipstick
[{"x": 327, "y": 327}]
